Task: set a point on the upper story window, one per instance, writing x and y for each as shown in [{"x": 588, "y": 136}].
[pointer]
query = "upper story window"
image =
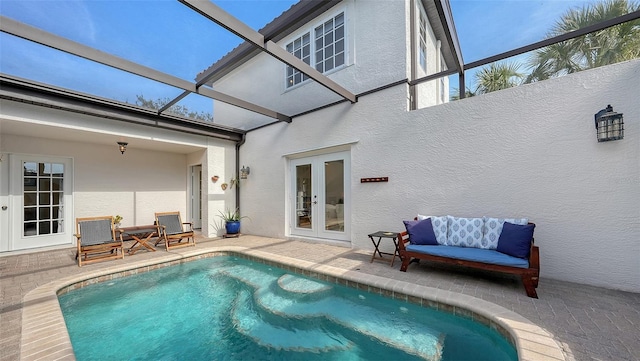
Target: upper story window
[
  {"x": 326, "y": 52},
  {"x": 301, "y": 48},
  {"x": 423, "y": 40},
  {"x": 330, "y": 44}
]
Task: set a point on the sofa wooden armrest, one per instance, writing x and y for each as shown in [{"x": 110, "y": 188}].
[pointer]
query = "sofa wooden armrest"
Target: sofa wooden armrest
[{"x": 528, "y": 275}]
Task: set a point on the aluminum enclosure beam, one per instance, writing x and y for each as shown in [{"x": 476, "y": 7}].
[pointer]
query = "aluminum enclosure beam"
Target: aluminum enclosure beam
[
  {"x": 227, "y": 21},
  {"x": 556, "y": 39},
  {"x": 42, "y": 37}
]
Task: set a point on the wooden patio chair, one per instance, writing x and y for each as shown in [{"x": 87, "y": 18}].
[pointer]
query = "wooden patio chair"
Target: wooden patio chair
[
  {"x": 172, "y": 230},
  {"x": 96, "y": 240}
]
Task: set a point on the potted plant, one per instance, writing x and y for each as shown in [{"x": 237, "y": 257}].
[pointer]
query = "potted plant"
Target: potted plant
[
  {"x": 231, "y": 220},
  {"x": 116, "y": 220}
]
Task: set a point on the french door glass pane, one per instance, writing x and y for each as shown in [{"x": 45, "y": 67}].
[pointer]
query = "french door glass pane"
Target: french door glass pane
[
  {"x": 43, "y": 198},
  {"x": 334, "y": 195},
  {"x": 303, "y": 196}
]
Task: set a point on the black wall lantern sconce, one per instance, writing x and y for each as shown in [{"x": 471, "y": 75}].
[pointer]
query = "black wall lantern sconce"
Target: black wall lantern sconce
[
  {"x": 609, "y": 125},
  {"x": 122, "y": 146},
  {"x": 244, "y": 172}
]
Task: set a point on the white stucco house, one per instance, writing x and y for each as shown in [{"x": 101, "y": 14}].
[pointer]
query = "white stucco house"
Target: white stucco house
[{"x": 529, "y": 151}]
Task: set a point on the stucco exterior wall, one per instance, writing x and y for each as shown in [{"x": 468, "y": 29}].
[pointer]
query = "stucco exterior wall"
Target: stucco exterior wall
[
  {"x": 377, "y": 47},
  {"x": 529, "y": 151},
  {"x": 221, "y": 162}
]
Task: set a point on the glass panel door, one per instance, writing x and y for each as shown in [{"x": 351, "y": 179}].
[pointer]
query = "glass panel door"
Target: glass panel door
[
  {"x": 304, "y": 184},
  {"x": 334, "y": 195},
  {"x": 41, "y": 201},
  {"x": 320, "y": 196},
  {"x": 43, "y": 198}
]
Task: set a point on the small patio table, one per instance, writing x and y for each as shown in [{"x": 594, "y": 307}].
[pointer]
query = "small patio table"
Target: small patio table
[
  {"x": 141, "y": 235},
  {"x": 381, "y": 235}
]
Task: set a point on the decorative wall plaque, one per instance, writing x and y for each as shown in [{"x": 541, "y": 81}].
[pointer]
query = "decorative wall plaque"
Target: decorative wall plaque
[{"x": 374, "y": 179}]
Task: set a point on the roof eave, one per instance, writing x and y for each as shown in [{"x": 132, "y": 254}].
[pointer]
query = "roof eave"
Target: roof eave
[
  {"x": 285, "y": 24},
  {"x": 441, "y": 20}
]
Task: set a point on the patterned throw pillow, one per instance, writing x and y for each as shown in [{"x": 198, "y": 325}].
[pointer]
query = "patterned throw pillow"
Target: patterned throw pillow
[
  {"x": 440, "y": 225},
  {"x": 493, "y": 229},
  {"x": 464, "y": 232}
]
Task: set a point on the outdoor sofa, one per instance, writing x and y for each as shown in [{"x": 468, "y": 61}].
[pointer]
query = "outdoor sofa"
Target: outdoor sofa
[{"x": 495, "y": 244}]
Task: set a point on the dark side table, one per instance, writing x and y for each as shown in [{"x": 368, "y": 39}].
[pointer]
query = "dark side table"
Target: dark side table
[{"x": 377, "y": 254}]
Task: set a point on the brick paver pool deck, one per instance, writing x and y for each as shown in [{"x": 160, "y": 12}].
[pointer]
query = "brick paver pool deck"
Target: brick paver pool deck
[{"x": 575, "y": 322}]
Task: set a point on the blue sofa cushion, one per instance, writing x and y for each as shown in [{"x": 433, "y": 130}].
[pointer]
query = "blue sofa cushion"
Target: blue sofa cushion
[
  {"x": 471, "y": 254},
  {"x": 440, "y": 225},
  {"x": 515, "y": 239},
  {"x": 493, "y": 228},
  {"x": 421, "y": 232}
]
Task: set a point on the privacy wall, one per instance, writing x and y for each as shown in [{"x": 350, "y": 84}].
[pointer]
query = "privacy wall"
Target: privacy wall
[{"x": 529, "y": 151}]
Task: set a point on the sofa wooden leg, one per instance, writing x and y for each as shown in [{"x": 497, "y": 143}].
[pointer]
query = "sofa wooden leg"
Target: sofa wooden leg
[
  {"x": 405, "y": 263},
  {"x": 529, "y": 286}
]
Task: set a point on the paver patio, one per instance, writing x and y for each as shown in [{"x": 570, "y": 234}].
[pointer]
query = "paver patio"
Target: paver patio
[{"x": 589, "y": 323}]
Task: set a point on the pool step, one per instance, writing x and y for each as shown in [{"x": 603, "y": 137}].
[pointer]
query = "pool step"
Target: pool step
[
  {"x": 247, "y": 321},
  {"x": 400, "y": 333},
  {"x": 295, "y": 284}
]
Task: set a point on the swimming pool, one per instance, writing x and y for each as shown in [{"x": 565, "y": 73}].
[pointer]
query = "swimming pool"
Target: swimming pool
[{"x": 231, "y": 308}]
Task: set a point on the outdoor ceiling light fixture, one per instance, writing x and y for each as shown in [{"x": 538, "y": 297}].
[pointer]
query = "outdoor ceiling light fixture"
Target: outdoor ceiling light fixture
[
  {"x": 122, "y": 146},
  {"x": 244, "y": 172},
  {"x": 609, "y": 125}
]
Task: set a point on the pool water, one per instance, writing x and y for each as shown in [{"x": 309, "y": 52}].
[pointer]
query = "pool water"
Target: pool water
[{"x": 228, "y": 308}]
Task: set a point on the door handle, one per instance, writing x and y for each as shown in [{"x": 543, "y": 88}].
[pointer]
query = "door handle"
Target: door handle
[{"x": 4, "y": 208}]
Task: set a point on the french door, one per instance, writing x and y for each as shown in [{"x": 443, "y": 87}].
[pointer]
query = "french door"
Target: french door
[
  {"x": 196, "y": 196},
  {"x": 320, "y": 196},
  {"x": 41, "y": 205}
]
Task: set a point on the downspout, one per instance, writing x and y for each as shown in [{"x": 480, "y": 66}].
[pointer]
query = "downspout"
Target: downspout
[
  {"x": 412, "y": 53},
  {"x": 238, "y": 145}
]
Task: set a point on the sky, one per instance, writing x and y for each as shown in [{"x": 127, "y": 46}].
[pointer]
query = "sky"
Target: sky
[{"x": 168, "y": 36}]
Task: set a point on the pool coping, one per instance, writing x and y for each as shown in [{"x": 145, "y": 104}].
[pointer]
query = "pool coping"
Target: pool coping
[{"x": 44, "y": 332}]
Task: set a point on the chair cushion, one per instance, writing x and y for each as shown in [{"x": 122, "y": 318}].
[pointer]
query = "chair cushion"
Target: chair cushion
[
  {"x": 439, "y": 225},
  {"x": 464, "y": 232},
  {"x": 493, "y": 228},
  {"x": 421, "y": 232},
  {"x": 95, "y": 232},
  {"x": 471, "y": 254},
  {"x": 515, "y": 240},
  {"x": 171, "y": 222}
]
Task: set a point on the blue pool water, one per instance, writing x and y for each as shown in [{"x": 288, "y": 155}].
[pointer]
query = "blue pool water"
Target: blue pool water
[{"x": 227, "y": 308}]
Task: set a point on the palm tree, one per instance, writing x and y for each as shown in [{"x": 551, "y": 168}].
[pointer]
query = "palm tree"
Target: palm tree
[
  {"x": 608, "y": 46},
  {"x": 498, "y": 76},
  {"x": 467, "y": 94}
]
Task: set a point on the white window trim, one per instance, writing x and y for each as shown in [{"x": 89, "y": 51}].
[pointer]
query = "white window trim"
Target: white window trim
[
  {"x": 310, "y": 28},
  {"x": 443, "y": 67}
]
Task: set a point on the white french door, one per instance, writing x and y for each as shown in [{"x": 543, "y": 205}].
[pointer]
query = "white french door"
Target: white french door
[
  {"x": 320, "y": 196},
  {"x": 41, "y": 204},
  {"x": 196, "y": 196}
]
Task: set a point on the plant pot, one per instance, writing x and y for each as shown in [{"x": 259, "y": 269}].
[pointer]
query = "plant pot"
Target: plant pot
[{"x": 232, "y": 227}]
